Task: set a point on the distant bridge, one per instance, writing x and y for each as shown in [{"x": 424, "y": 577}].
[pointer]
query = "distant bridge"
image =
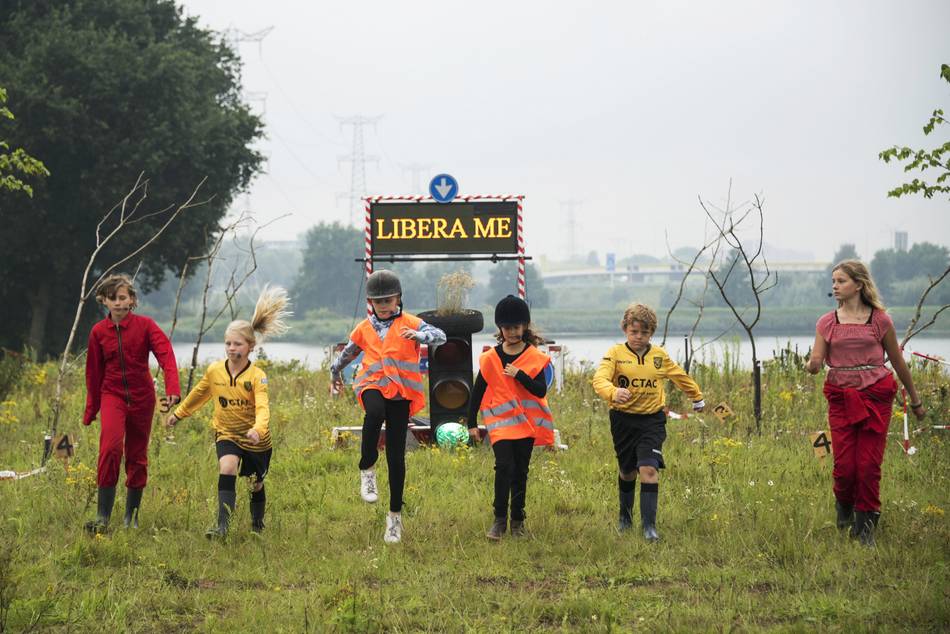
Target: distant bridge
[{"x": 658, "y": 273}]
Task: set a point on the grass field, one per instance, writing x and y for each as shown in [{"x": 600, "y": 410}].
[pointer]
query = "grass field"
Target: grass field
[{"x": 747, "y": 526}]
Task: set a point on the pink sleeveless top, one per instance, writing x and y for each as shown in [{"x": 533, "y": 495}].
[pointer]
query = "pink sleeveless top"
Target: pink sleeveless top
[{"x": 855, "y": 351}]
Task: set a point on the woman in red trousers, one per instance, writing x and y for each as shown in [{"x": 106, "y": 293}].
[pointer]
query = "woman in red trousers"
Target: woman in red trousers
[
  {"x": 120, "y": 388},
  {"x": 860, "y": 391}
]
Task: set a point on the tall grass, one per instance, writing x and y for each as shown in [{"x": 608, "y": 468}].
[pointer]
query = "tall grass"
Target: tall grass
[{"x": 747, "y": 527}]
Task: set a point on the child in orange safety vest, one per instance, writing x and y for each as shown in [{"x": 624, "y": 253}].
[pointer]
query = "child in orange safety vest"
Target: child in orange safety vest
[
  {"x": 389, "y": 386},
  {"x": 509, "y": 393}
]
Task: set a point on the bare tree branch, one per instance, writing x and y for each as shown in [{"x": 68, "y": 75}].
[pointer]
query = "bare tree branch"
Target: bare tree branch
[
  {"x": 750, "y": 260},
  {"x": 911, "y": 331},
  {"x": 137, "y": 196},
  {"x": 232, "y": 287}
]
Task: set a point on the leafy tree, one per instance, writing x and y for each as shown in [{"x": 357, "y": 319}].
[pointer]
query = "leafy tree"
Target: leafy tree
[
  {"x": 846, "y": 251},
  {"x": 503, "y": 280},
  {"x": 110, "y": 89},
  {"x": 937, "y": 159},
  {"x": 902, "y": 275},
  {"x": 17, "y": 161},
  {"x": 329, "y": 277}
]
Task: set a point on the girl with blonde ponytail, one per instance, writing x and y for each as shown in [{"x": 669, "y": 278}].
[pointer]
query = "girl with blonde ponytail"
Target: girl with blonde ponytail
[{"x": 241, "y": 410}]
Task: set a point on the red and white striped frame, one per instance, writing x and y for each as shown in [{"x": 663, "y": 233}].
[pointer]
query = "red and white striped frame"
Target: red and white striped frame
[
  {"x": 368, "y": 238},
  {"x": 369, "y": 200}
]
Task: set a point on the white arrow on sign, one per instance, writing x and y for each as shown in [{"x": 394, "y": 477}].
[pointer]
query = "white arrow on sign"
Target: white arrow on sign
[{"x": 443, "y": 188}]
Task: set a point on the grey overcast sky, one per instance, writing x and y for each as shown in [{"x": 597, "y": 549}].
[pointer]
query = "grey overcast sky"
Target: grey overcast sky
[{"x": 632, "y": 108}]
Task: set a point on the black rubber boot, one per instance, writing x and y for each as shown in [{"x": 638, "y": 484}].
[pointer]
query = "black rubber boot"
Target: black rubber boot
[
  {"x": 517, "y": 528},
  {"x": 626, "y": 492},
  {"x": 226, "y": 500},
  {"x": 845, "y": 514},
  {"x": 497, "y": 529},
  {"x": 625, "y": 517},
  {"x": 863, "y": 528},
  {"x": 649, "y": 492},
  {"x": 104, "y": 503},
  {"x": 258, "y": 502},
  {"x": 133, "y": 499}
]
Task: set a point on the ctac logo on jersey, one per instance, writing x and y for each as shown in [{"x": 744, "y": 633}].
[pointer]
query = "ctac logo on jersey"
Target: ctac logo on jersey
[{"x": 233, "y": 402}]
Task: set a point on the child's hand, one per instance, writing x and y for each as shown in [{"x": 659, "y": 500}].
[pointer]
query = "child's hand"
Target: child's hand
[
  {"x": 511, "y": 370},
  {"x": 919, "y": 411},
  {"x": 170, "y": 420},
  {"x": 336, "y": 384},
  {"x": 474, "y": 435},
  {"x": 168, "y": 401},
  {"x": 622, "y": 395},
  {"x": 408, "y": 333},
  {"x": 253, "y": 437}
]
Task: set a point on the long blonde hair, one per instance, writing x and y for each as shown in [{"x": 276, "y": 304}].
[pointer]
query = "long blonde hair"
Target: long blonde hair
[
  {"x": 269, "y": 315},
  {"x": 856, "y": 270}
]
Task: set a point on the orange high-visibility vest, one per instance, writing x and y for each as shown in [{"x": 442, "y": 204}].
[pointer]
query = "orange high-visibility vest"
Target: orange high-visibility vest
[
  {"x": 390, "y": 365},
  {"x": 510, "y": 411}
]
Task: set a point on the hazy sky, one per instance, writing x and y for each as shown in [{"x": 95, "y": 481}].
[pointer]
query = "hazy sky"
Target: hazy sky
[{"x": 632, "y": 108}]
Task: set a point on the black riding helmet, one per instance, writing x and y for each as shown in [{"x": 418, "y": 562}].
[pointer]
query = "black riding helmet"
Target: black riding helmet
[
  {"x": 382, "y": 283},
  {"x": 511, "y": 311}
]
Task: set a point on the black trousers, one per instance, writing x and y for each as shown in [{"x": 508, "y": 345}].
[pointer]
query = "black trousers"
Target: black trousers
[
  {"x": 396, "y": 416},
  {"x": 512, "y": 458}
]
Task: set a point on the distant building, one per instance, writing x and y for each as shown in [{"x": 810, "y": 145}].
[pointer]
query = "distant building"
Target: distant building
[{"x": 900, "y": 241}]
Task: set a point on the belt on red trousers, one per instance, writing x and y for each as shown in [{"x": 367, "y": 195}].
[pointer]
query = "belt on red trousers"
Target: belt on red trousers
[{"x": 856, "y": 404}]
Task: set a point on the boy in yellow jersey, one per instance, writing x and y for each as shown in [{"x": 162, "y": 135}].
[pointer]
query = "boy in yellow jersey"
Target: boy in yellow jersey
[
  {"x": 632, "y": 377},
  {"x": 241, "y": 410}
]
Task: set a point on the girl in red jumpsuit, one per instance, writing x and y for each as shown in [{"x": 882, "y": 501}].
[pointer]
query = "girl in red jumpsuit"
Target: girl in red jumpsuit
[
  {"x": 119, "y": 386},
  {"x": 860, "y": 391}
]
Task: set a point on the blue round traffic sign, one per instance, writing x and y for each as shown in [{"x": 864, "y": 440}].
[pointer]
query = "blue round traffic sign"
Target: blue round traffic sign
[{"x": 443, "y": 188}]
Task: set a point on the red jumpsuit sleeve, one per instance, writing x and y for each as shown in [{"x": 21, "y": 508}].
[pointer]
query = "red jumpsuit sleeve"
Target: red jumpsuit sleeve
[
  {"x": 95, "y": 371},
  {"x": 161, "y": 347}
]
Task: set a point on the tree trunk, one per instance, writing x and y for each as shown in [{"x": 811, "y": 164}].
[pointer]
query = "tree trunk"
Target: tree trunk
[
  {"x": 39, "y": 311},
  {"x": 757, "y": 395}
]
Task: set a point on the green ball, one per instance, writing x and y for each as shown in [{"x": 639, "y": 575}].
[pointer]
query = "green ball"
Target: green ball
[{"x": 450, "y": 435}]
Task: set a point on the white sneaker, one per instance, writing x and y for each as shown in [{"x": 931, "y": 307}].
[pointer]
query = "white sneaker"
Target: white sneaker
[
  {"x": 393, "y": 534},
  {"x": 368, "y": 485}
]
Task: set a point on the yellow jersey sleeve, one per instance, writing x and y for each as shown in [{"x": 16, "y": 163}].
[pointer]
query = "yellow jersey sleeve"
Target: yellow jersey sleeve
[
  {"x": 261, "y": 405},
  {"x": 603, "y": 381},
  {"x": 677, "y": 375},
  {"x": 196, "y": 399}
]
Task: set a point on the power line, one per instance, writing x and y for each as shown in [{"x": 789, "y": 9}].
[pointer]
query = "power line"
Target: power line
[
  {"x": 416, "y": 170},
  {"x": 357, "y": 159},
  {"x": 571, "y": 223}
]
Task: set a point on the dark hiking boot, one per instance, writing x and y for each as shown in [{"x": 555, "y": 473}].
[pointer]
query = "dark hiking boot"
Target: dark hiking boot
[
  {"x": 517, "y": 528},
  {"x": 216, "y": 533},
  {"x": 497, "y": 529}
]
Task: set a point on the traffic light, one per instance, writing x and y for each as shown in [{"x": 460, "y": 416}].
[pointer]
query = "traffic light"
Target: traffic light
[{"x": 450, "y": 366}]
